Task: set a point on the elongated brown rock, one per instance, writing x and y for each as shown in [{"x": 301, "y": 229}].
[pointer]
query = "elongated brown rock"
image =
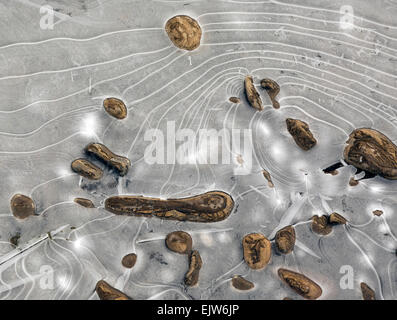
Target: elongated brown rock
[
  {"x": 336, "y": 218},
  {"x": 252, "y": 94},
  {"x": 115, "y": 107},
  {"x": 179, "y": 241},
  {"x": 87, "y": 169},
  {"x": 184, "y": 32},
  {"x": 195, "y": 264},
  {"x": 87, "y": 203},
  {"x": 272, "y": 89},
  {"x": 301, "y": 133},
  {"x": 120, "y": 163},
  {"x": 320, "y": 225},
  {"x": 268, "y": 177},
  {"x": 106, "y": 292},
  {"x": 257, "y": 250},
  {"x": 371, "y": 151},
  {"x": 301, "y": 284},
  {"x": 367, "y": 292},
  {"x": 242, "y": 284},
  {"x": 234, "y": 100},
  {"x": 129, "y": 260},
  {"x": 22, "y": 206},
  {"x": 285, "y": 239},
  {"x": 208, "y": 207}
]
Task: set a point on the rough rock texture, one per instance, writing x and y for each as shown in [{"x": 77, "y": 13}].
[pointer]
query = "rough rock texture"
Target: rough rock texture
[
  {"x": 377, "y": 212},
  {"x": 370, "y": 150},
  {"x": 195, "y": 264},
  {"x": 253, "y": 97},
  {"x": 321, "y": 226},
  {"x": 84, "y": 202},
  {"x": 179, "y": 241},
  {"x": 367, "y": 292},
  {"x": 87, "y": 169},
  {"x": 301, "y": 133},
  {"x": 242, "y": 284},
  {"x": 257, "y": 250},
  {"x": 268, "y": 177},
  {"x": 285, "y": 239},
  {"x": 115, "y": 107},
  {"x": 106, "y": 292},
  {"x": 22, "y": 206},
  {"x": 336, "y": 218},
  {"x": 272, "y": 89},
  {"x": 120, "y": 163},
  {"x": 184, "y": 32},
  {"x": 208, "y": 207},
  {"x": 301, "y": 284}
]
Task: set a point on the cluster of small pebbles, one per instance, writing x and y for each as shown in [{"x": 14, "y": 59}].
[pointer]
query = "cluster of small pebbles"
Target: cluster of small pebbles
[
  {"x": 323, "y": 224},
  {"x": 257, "y": 250},
  {"x": 23, "y": 206}
]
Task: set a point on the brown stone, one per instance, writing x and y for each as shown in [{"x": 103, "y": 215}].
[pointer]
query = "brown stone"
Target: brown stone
[
  {"x": 120, "y": 163},
  {"x": 234, "y": 100},
  {"x": 377, "y": 212},
  {"x": 285, "y": 239},
  {"x": 321, "y": 226},
  {"x": 371, "y": 151},
  {"x": 87, "y": 169},
  {"x": 367, "y": 292},
  {"x": 252, "y": 94},
  {"x": 87, "y": 203},
  {"x": 353, "y": 182},
  {"x": 242, "y": 284},
  {"x": 195, "y": 264},
  {"x": 257, "y": 250},
  {"x": 115, "y": 107},
  {"x": 301, "y": 284},
  {"x": 336, "y": 218},
  {"x": 22, "y": 206},
  {"x": 208, "y": 207},
  {"x": 179, "y": 241},
  {"x": 106, "y": 292},
  {"x": 129, "y": 260},
  {"x": 184, "y": 32},
  {"x": 267, "y": 176},
  {"x": 301, "y": 133},
  {"x": 272, "y": 89}
]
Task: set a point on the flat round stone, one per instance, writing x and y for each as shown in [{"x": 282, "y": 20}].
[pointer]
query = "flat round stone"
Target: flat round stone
[
  {"x": 184, "y": 32},
  {"x": 22, "y": 206}
]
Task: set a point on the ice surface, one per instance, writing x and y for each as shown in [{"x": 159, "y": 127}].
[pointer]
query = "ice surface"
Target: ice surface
[{"x": 53, "y": 82}]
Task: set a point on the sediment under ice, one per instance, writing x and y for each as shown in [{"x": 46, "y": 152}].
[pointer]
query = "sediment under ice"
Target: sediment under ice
[{"x": 53, "y": 82}]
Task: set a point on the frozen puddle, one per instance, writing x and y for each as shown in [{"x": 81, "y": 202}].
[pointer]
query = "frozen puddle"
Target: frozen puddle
[{"x": 336, "y": 67}]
